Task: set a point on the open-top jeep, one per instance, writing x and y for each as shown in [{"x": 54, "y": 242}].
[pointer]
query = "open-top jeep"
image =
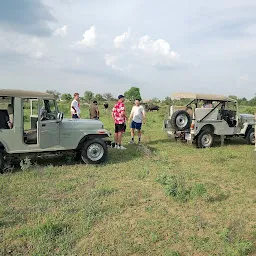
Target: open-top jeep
[
  {"x": 30, "y": 123},
  {"x": 206, "y": 116}
]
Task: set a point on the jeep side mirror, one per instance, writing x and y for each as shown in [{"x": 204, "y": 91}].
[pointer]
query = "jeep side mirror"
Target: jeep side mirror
[{"x": 60, "y": 116}]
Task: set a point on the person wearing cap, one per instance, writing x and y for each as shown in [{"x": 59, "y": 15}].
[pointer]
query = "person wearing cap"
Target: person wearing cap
[
  {"x": 119, "y": 117},
  {"x": 138, "y": 117},
  {"x": 75, "y": 106},
  {"x": 94, "y": 110}
]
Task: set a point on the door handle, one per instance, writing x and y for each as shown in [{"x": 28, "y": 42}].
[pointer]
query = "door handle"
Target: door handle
[{"x": 43, "y": 125}]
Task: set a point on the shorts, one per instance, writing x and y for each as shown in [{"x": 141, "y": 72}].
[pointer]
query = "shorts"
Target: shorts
[
  {"x": 120, "y": 128},
  {"x": 75, "y": 116},
  {"x": 136, "y": 126}
]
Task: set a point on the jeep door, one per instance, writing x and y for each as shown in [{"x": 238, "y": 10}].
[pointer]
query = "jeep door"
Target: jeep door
[{"x": 49, "y": 126}]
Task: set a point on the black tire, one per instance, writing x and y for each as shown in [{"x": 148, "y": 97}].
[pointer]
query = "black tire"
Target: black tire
[
  {"x": 1, "y": 162},
  {"x": 205, "y": 139},
  {"x": 95, "y": 151},
  {"x": 180, "y": 120},
  {"x": 250, "y": 137}
]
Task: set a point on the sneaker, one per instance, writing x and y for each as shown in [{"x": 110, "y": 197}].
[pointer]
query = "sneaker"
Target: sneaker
[
  {"x": 116, "y": 146},
  {"x": 131, "y": 142},
  {"x": 121, "y": 147}
]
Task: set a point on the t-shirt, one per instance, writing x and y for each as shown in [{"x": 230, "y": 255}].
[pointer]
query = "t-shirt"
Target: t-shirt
[
  {"x": 118, "y": 110},
  {"x": 137, "y": 113},
  {"x": 93, "y": 111},
  {"x": 75, "y": 104}
]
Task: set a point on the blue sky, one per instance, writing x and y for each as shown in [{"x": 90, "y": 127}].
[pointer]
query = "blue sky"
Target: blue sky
[{"x": 108, "y": 46}]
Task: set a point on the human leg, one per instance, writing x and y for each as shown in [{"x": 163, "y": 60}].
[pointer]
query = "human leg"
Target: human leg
[
  {"x": 133, "y": 126},
  {"x": 138, "y": 127}
]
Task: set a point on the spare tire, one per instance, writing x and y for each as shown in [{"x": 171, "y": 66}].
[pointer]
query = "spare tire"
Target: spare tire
[{"x": 180, "y": 120}]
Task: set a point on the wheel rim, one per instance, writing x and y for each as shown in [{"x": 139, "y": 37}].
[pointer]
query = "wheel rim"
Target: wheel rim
[
  {"x": 252, "y": 138},
  {"x": 181, "y": 121},
  {"x": 95, "y": 152},
  {"x": 206, "y": 140}
]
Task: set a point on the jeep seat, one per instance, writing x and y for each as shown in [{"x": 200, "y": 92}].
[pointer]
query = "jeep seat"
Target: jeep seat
[
  {"x": 200, "y": 113},
  {"x": 30, "y": 136},
  {"x": 4, "y": 118}
]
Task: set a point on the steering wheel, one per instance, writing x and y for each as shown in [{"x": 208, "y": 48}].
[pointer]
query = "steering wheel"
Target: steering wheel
[
  {"x": 43, "y": 115},
  {"x": 47, "y": 116}
]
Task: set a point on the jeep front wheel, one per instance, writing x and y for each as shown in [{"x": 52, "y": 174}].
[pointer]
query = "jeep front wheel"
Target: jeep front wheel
[
  {"x": 250, "y": 137},
  {"x": 94, "y": 151},
  {"x": 1, "y": 162},
  {"x": 205, "y": 139}
]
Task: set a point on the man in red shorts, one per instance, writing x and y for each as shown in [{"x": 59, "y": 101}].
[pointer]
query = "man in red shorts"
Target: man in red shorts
[{"x": 119, "y": 117}]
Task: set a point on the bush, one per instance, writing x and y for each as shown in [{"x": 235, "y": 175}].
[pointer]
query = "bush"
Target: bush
[{"x": 175, "y": 186}]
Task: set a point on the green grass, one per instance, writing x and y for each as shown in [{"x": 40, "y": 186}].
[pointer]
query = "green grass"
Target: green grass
[{"x": 162, "y": 198}]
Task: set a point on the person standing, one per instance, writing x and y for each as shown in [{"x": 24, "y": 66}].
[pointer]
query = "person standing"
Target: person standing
[
  {"x": 119, "y": 117},
  {"x": 75, "y": 107},
  {"x": 138, "y": 117},
  {"x": 94, "y": 110}
]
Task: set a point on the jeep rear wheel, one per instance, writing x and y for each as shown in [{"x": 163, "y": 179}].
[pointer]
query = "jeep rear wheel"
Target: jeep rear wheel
[
  {"x": 180, "y": 120},
  {"x": 205, "y": 139},
  {"x": 250, "y": 137},
  {"x": 94, "y": 151}
]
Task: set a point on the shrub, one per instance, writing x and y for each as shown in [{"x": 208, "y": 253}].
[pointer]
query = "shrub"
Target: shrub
[{"x": 176, "y": 187}]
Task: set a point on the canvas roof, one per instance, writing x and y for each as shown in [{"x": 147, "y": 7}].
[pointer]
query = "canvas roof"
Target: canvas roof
[
  {"x": 25, "y": 94},
  {"x": 200, "y": 96}
]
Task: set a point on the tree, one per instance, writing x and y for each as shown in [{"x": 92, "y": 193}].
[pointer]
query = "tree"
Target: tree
[
  {"x": 133, "y": 93},
  {"x": 108, "y": 96},
  {"x": 99, "y": 97},
  {"x": 55, "y": 93},
  {"x": 252, "y": 102},
  {"x": 168, "y": 101},
  {"x": 88, "y": 96},
  {"x": 233, "y": 97},
  {"x": 66, "y": 96},
  {"x": 155, "y": 100}
]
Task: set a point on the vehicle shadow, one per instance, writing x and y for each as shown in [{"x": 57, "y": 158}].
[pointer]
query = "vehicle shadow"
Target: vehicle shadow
[{"x": 115, "y": 156}]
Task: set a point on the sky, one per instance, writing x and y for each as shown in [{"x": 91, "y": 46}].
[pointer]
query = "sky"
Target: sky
[{"x": 105, "y": 46}]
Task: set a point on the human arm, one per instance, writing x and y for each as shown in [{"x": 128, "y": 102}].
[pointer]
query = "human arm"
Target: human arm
[
  {"x": 144, "y": 115},
  {"x": 113, "y": 114},
  {"x": 97, "y": 111},
  {"x": 131, "y": 115}
]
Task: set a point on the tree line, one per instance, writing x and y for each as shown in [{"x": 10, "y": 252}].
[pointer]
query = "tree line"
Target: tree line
[
  {"x": 134, "y": 93},
  {"x": 88, "y": 96}
]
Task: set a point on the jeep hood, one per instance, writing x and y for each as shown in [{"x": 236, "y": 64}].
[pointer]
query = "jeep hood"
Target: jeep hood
[
  {"x": 83, "y": 124},
  {"x": 247, "y": 117}
]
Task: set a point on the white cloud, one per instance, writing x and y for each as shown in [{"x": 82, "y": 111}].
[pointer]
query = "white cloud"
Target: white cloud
[
  {"x": 120, "y": 40},
  {"x": 39, "y": 55},
  {"x": 251, "y": 30},
  {"x": 31, "y": 47},
  {"x": 111, "y": 61},
  {"x": 61, "y": 31},
  {"x": 156, "y": 48},
  {"x": 89, "y": 38},
  {"x": 244, "y": 78},
  {"x": 141, "y": 52},
  {"x": 78, "y": 60}
]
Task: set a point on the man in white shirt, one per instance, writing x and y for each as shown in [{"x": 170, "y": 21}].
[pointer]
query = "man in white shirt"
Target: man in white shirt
[
  {"x": 75, "y": 106},
  {"x": 138, "y": 117}
]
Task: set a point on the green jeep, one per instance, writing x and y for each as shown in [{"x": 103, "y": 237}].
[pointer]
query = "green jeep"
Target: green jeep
[{"x": 30, "y": 123}]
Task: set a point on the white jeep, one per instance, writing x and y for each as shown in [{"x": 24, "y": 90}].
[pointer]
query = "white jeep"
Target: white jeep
[{"x": 207, "y": 116}]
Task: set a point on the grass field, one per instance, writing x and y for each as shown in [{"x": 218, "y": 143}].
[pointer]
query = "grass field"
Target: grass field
[{"x": 161, "y": 198}]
